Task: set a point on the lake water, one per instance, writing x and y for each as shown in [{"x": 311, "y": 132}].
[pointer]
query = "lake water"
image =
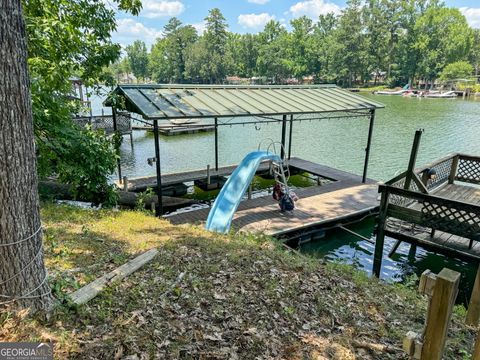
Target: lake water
[{"x": 451, "y": 125}]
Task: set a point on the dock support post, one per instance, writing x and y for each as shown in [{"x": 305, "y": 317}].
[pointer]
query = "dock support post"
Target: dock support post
[
  {"x": 290, "y": 138},
  {"x": 125, "y": 183},
  {"x": 438, "y": 314},
  {"x": 382, "y": 218},
  {"x": 216, "y": 144},
  {"x": 473, "y": 312},
  {"x": 442, "y": 290},
  {"x": 159, "y": 207},
  {"x": 413, "y": 158},
  {"x": 284, "y": 134},
  {"x": 115, "y": 130},
  {"x": 369, "y": 143},
  {"x": 453, "y": 170}
]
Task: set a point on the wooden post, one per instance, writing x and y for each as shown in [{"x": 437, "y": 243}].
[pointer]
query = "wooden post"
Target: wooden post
[
  {"x": 159, "y": 207},
  {"x": 442, "y": 291},
  {"x": 216, "y": 144},
  {"x": 290, "y": 138},
  {"x": 369, "y": 143},
  {"x": 453, "y": 170},
  {"x": 380, "y": 240},
  {"x": 473, "y": 313},
  {"x": 284, "y": 134},
  {"x": 438, "y": 314},
  {"x": 119, "y": 166},
  {"x": 250, "y": 192},
  {"x": 208, "y": 174},
  {"x": 125, "y": 183},
  {"x": 413, "y": 158}
]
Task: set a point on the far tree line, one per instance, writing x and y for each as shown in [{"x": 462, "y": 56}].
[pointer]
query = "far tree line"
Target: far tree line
[{"x": 392, "y": 41}]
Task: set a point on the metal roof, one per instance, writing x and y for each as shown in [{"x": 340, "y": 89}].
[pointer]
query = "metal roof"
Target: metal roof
[{"x": 202, "y": 101}]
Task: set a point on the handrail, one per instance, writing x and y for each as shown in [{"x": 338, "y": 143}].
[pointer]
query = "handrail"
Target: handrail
[{"x": 424, "y": 197}]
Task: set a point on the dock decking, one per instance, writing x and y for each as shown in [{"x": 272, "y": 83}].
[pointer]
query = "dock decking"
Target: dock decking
[
  {"x": 142, "y": 183},
  {"x": 338, "y": 200},
  {"x": 172, "y": 129},
  {"x": 296, "y": 164},
  {"x": 442, "y": 241},
  {"x": 436, "y": 207}
]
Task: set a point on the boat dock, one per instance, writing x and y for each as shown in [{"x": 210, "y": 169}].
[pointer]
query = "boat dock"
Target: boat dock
[
  {"x": 344, "y": 197},
  {"x": 172, "y": 129},
  {"x": 145, "y": 182},
  {"x": 436, "y": 207}
]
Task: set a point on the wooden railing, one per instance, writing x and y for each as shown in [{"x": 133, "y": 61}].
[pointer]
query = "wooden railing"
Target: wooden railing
[
  {"x": 417, "y": 204},
  {"x": 454, "y": 167},
  {"x": 437, "y": 213}
]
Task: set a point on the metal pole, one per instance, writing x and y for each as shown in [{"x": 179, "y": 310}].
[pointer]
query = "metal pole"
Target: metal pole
[
  {"x": 290, "y": 138},
  {"x": 284, "y": 133},
  {"x": 369, "y": 142},
  {"x": 413, "y": 158},
  {"x": 119, "y": 166},
  {"x": 159, "y": 207},
  {"x": 216, "y": 144}
]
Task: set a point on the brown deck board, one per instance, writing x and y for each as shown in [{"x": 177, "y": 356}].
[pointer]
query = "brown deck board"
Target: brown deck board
[
  {"x": 327, "y": 172},
  {"x": 441, "y": 240},
  {"x": 317, "y": 205}
]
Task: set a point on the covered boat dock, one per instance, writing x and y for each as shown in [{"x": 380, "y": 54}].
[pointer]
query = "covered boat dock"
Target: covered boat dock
[{"x": 223, "y": 105}]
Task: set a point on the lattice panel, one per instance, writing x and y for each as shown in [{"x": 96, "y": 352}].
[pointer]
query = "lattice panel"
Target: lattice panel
[
  {"x": 402, "y": 200},
  {"x": 469, "y": 171},
  {"x": 443, "y": 170},
  {"x": 463, "y": 221},
  {"x": 124, "y": 123}
]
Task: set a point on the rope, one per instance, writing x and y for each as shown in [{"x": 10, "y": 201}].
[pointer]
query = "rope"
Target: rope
[
  {"x": 28, "y": 293},
  {"x": 24, "y": 268},
  {"x": 25, "y": 295},
  {"x": 23, "y": 240}
]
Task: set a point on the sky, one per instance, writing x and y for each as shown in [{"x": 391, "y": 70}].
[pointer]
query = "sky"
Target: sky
[{"x": 242, "y": 15}]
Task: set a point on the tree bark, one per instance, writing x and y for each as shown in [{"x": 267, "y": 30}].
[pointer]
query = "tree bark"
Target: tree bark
[{"x": 22, "y": 272}]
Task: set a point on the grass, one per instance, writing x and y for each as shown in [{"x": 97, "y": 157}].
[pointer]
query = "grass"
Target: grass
[{"x": 240, "y": 297}]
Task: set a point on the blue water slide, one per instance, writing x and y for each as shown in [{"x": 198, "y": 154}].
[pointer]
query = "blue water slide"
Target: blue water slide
[{"x": 221, "y": 215}]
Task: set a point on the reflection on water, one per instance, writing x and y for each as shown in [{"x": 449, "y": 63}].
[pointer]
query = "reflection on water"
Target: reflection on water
[{"x": 340, "y": 246}]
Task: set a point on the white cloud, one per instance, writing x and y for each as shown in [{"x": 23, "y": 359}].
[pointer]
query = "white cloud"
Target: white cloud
[
  {"x": 314, "y": 8},
  {"x": 200, "y": 27},
  {"x": 162, "y": 8},
  {"x": 129, "y": 30},
  {"x": 472, "y": 15},
  {"x": 260, "y": 2},
  {"x": 254, "y": 20}
]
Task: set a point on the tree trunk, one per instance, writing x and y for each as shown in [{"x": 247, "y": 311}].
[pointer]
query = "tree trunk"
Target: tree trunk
[{"x": 22, "y": 272}]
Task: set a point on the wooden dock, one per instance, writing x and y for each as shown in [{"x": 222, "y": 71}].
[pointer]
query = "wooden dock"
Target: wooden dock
[
  {"x": 172, "y": 129},
  {"x": 436, "y": 207},
  {"x": 295, "y": 164},
  {"x": 441, "y": 241},
  {"x": 343, "y": 198},
  {"x": 144, "y": 182}
]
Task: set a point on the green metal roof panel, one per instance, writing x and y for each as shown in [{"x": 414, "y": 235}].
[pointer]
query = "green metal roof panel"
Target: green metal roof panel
[{"x": 197, "y": 101}]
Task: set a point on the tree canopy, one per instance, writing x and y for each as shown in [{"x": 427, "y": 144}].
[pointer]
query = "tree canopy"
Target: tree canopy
[
  {"x": 395, "y": 41},
  {"x": 71, "y": 38}
]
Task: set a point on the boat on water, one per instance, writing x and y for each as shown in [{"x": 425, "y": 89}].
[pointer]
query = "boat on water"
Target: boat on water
[
  {"x": 388, "y": 92},
  {"x": 439, "y": 95},
  {"x": 402, "y": 91}
]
